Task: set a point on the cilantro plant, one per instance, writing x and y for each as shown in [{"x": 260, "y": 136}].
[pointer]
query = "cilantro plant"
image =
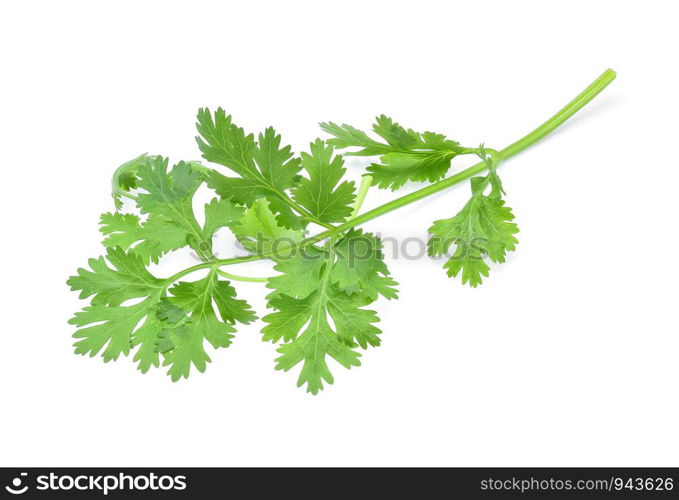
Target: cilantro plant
[{"x": 270, "y": 199}]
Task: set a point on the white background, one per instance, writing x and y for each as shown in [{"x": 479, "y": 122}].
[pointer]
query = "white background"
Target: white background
[{"x": 567, "y": 355}]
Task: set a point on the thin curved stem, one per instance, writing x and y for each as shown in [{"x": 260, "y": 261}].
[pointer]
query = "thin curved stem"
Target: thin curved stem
[
  {"x": 212, "y": 265},
  {"x": 238, "y": 277},
  {"x": 561, "y": 116},
  {"x": 366, "y": 182}
]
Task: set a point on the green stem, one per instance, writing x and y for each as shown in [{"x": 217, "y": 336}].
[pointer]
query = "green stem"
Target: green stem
[
  {"x": 237, "y": 277},
  {"x": 561, "y": 116},
  {"x": 525, "y": 142},
  {"x": 212, "y": 265},
  {"x": 366, "y": 182},
  {"x": 516, "y": 147}
]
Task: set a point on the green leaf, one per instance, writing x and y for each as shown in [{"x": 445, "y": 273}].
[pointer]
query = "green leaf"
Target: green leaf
[
  {"x": 396, "y": 169},
  {"x": 315, "y": 343},
  {"x": 149, "y": 240},
  {"x": 258, "y": 231},
  {"x": 360, "y": 266},
  {"x": 223, "y": 142},
  {"x": 276, "y": 163},
  {"x": 241, "y": 191},
  {"x": 300, "y": 272},
  {"x": 147, "y": 337},
  {"x": 317, "y": 286},
  {"x": 346, "y": 136},
  {"x": 169, "y": 202},
  {"x": 109, "y": 326},
  {"x": 321, "y": 193},
  {"x": 395, "y": 135},
  {"x": 353, "y": 324},
  {"x": 175, "y": 325},
  {"x": 265, "y": 168},
  {"x": 127, "y": 279},
  {"x": 183, "y": 346},
  {"x": 158, "y": 235},
  {"x": 113, "y": 331},
  {"x": 405, "y": 155},
  {"x": 169, "y": 194},
  {"x": 218, "y": 214},
  {"x": 483, "y": 228}
]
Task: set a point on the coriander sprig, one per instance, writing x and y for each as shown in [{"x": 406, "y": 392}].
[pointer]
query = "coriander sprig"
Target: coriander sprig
[{"x": 325, "y": 283}]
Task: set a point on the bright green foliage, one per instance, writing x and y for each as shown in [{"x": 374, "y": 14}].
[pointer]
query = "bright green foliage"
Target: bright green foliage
[
  {"x": 316, "y": 342},
  {"x": 128, "y": 279},
  {"x": 325, "y": 285},
  {"x": 326, "y": 282},
  {"x": 405, "y": 155},
  {"x": 149, "y": 239},
  {"x": 116, "y": 332},
  {"x": 258, "y": 231},
  {"x": 322, "y": 291},
  {"x": 173, "y": 325},
  {"x": 113, "y": 328},
  {"x": 482, "y": 228},
  {"x": 171, "y": 223},
  {"x": 320, "y": 193},
  {"x": 320, "y": 284},
  {"x": 359, "y": 266},
  {"x": 299, "y": 272},
  {"x": 126, "y": 177},
  {"x": 170, "y": 195},
  {"x": 183, "y": 346},
  {"x": 113, "y": 325},
  {"x": 265, "y": 169},
  {"x": 109, "y": 288}
]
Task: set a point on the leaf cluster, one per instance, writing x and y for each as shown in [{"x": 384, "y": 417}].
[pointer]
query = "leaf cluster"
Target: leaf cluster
[{"x": 321, "y": 298}]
